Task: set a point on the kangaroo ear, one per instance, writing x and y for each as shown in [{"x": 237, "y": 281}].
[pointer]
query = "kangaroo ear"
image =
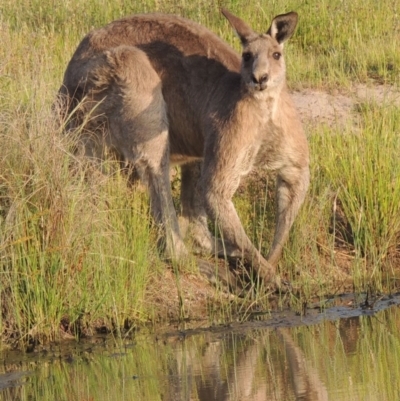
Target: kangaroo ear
[
  {"x": 283, "y": 26},
  {"x": 244, "y": 32}
]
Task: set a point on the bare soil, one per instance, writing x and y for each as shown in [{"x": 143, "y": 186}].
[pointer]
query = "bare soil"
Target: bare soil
[{"x": 339, "y": 107}]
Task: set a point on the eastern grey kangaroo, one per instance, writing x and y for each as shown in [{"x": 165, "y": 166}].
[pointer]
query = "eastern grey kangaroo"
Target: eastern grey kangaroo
[{"x": 162, "y": 90}]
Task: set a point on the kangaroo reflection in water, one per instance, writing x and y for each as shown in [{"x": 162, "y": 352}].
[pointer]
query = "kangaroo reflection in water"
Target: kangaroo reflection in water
[
  {"x": 307, "y": 384},
  {"x": 242, "y": 369}
]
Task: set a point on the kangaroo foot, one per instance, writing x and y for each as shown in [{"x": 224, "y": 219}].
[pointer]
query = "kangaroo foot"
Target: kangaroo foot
[{"x": 218, "y": 272}]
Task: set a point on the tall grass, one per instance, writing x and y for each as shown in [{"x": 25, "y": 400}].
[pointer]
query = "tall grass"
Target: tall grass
[
  {"x": 77, "y": 246},
  {"x": 362, "y": 165}
]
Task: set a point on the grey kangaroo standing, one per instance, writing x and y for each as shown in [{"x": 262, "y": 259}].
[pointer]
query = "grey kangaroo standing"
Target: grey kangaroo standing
[{"x": 163, "y": 90}]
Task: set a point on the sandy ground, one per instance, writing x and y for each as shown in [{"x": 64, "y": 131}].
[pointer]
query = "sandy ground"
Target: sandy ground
[{"x": 337, "y": 107}]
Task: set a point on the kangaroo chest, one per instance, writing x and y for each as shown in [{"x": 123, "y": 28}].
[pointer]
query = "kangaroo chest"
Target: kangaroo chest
[{"x": 266, "y": 152}]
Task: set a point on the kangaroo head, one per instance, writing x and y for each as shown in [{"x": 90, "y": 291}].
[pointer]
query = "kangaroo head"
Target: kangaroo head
[{"x": 263, "y": 64}]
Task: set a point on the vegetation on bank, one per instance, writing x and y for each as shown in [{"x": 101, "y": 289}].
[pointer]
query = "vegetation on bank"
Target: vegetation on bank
[{"x": 77, "y": 247}]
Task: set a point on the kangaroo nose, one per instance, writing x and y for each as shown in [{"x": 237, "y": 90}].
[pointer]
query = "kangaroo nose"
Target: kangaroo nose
[{"x": 261, "y": 80}]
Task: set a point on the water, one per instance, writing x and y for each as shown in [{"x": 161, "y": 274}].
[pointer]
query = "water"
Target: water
[{"x": 352, "y": 358}]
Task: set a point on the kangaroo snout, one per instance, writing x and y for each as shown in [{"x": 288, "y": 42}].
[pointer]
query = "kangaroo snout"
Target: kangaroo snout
[{"x": 260, "y": 82}]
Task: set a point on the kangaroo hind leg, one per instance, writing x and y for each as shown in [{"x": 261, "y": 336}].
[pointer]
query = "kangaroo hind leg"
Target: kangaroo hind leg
[
  {"x": 193, "y": 218},
  {"x": 139, "y": 131}
]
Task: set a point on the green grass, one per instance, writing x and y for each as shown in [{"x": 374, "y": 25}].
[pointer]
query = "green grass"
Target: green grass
[
  {"x": 362, "y": 166},
  {"x": 78, "y": 246},
  {"x": 75, "y": 245}
]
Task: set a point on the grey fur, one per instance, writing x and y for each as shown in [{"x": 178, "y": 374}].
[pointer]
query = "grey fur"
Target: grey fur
[{"x": 163, "y": 90}]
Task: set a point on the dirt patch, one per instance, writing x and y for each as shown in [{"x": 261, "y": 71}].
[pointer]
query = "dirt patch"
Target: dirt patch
[
  {"x": 338, "y": 107},
  {"x": 184, "y": 296}
]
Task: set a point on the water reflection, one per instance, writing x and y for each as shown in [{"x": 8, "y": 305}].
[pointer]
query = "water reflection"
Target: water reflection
[
  {"x": 255, "y": 366},
  {"x": 357, "y": 358}
]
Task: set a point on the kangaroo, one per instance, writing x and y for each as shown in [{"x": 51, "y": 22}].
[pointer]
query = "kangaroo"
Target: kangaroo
[{"x": 167, "y": 91}]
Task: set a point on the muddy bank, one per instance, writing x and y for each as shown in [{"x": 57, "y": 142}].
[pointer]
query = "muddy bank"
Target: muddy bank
[{"x": 342, "y": 306}]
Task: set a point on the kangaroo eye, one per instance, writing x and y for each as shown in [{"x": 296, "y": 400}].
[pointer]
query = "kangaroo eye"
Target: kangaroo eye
[
  {"x": 276, "y": 55},
  {"x": 246, "y": 56}
]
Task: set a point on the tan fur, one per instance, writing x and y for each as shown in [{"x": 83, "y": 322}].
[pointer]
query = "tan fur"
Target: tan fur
[{"x": 164, "y": 90}]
